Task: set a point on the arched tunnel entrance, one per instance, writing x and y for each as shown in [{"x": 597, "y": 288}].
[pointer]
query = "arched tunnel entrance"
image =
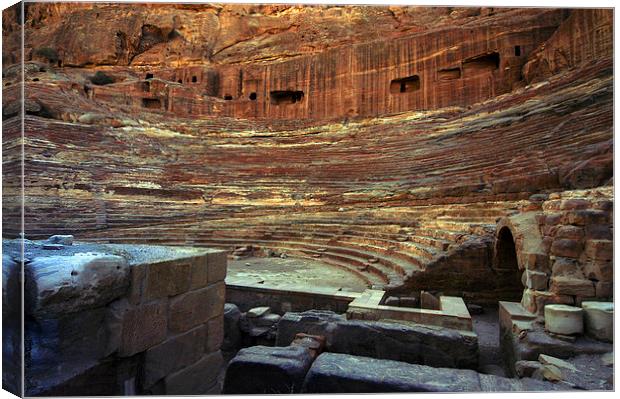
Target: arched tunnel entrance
[{"x": 505, "y": 264}]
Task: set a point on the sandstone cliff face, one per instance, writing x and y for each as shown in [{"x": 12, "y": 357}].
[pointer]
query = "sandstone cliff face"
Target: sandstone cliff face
[
  {"x": 163, "y": 34},
  {"x": 351, "y": 154},
  {"x": 584, "y": 37}
]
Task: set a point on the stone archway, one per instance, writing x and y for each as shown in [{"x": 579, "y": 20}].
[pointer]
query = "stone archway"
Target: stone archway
[
  {"x": 506, "y": 266},
  {"x": 505, "y": 251}
]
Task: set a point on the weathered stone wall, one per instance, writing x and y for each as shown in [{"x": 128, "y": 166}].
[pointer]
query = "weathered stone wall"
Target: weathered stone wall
[
  {"x": 564, "y": 246},
  {"x": 136, "y": 319}
]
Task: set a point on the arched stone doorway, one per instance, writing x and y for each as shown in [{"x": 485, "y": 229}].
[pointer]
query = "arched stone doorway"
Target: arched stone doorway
[{"x": 506, "y": 266}]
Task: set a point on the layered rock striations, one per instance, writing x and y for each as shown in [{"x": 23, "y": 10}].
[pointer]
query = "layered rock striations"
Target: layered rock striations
[{"x": 403, "y": 146}]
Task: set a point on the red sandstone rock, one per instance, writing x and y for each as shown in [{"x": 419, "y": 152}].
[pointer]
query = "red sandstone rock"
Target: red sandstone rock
[
  {"x": 273, "y": 125},
  {"x": 566, "y": 247}
]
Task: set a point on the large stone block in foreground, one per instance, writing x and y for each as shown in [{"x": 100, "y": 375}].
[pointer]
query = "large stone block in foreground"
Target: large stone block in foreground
[
  {"x": 411, "y": 343},
  {"x": 196, "y": 379},
  {"x": 63, "y": 284},
  {"x": 196, "y": 307},
  {"x": 173, "y": 354},
  {"x": 134, "y": 329},
  {"x": 267, "y": 370},
  {"x": 563, "y": 319},
  {"x": 338, "y": 373},
  {"x": 599, "y": 320}
]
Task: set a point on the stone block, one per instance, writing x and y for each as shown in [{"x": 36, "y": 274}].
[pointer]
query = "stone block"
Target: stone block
[
  {"x": 134, "y": 329},
  {"x": 436, "y": 346},
  {"x": 554, "y": 361},
  {"x": 167, "y": 279},
  {"x": 536, "y": 280},
  {"x": 11, "y": 286},
  {"x": 566, "y": 247},
  {"x": 267, "y": 370},
  {"x": 409, "y": 301},
  {"x": 199, "y": 272},
  {"x": 599, "y": 232},
  {"x": 599, "y": 320},
  {"x": 574, "y": 203},
  {"x": 563, "y": 319},
  {"x": 538, "y": 262},
  {"x": 602, "y": 270},
  {"x": 570, "y": 232},
  {"x": 215, "y": 333},
  {"x": 566, "y": 267},
  {"x": 586, "y": 217},
  {"x": 392, "y": 301},
  {"x": 566, "y": 285},
  {"x": 552, "y": 205},
  {"x": 340, "y": 373},
  {"x": 61, "y": 239},
  {"x": 600, "y": 249},
  {"x": 411, "y": 343},
  {"x": 258, "y": 312},
  {"x": 65, "y": 284},
  {"x": 526, "y": 368},
  {"x": 173, "y": 354},
  {"x": 137, "y": 278},
  {"x": 232, "y": 331},
  {"x": 314, "y": 322},
  {"x": 217, "y": 263},
  {"x": 429, "y": 301},
  {"x": 196, "y": 307},
  {"x": 553, "y": 219},
  {"x": 315, "y": 344},
  {"x": 604, "y": 289},
  {"x": 535, "y": 301},
  {"x": 196, "y": 379},
  {"x": 76, "y": 341},
  {"x": 492, "y": 383},
  {"x": 546, "y": 244}
]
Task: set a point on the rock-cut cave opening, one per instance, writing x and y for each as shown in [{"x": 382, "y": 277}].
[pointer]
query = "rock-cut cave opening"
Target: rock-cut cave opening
[
  {"x": 286, "y": 96},
  {"x": 506, "y": 258},
  {"x": 405, "y": 85},
  {"x": 506, "y": 266}
]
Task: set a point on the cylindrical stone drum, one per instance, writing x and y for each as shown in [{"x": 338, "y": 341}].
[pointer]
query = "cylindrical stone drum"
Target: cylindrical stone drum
[
  {"x": 563, "y": 319},
  {"x": 599, "y": 320}
]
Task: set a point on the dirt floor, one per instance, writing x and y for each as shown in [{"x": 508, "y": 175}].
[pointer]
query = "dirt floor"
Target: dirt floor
[
  {"x": 486, "y": 325},
  {"x": 302, "y": 272}
]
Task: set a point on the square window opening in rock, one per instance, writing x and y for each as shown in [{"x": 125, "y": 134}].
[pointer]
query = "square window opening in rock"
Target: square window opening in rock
[
  {"x": 153, "y": 103},
  {"x": 280, "y": 97},
  {"x": 481, "y": 64},
  {"x": 449, "y": 74},
  {"x": 405, "y": 85}
]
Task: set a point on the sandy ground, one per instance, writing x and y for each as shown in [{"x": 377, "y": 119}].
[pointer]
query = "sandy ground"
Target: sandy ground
[{"x": 302, "y": 272}]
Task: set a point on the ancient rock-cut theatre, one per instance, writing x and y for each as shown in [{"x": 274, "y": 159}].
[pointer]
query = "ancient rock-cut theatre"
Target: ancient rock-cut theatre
[{"x": 225, "y": 198}]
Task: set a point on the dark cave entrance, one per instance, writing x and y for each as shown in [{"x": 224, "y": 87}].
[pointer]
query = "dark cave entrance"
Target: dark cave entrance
[
  {"x": 506, "y": 267},
  {"x": 405, "y": 85},
  {"x": 481, "y": 64},
  {"x": 279, "y": 97},
  {"x": 152, "y": 103}
]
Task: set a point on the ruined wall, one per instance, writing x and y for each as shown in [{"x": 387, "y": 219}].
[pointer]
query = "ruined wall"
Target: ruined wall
[
  {"x": 134, "y": 319},
  {"x": 565, "y": 248}
]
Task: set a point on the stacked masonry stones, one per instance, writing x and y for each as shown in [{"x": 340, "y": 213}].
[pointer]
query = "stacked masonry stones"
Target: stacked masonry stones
[
  {"x": 577, "y": 238},
  {"x": 136, "y": 318},
  {"x": 174, "y": 314}
]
